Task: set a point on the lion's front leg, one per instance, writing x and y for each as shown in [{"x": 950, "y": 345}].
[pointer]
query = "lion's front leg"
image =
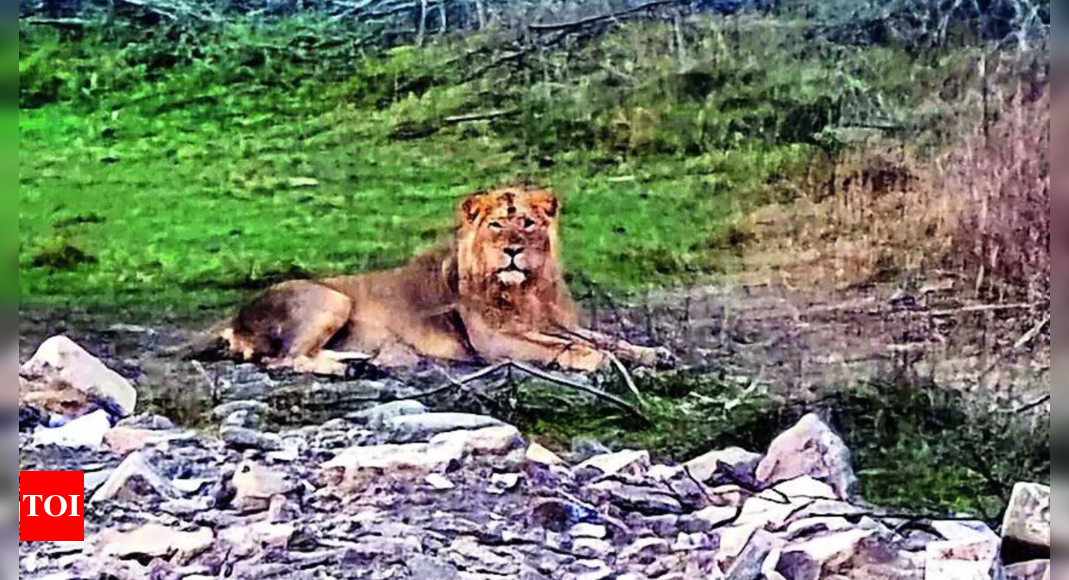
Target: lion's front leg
[
  {"x": 565, "y": 352},
  {"x": 658, "y": 357}
]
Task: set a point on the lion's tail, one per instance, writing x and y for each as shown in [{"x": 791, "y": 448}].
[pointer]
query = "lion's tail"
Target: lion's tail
[{"x": 211, "y": 345}]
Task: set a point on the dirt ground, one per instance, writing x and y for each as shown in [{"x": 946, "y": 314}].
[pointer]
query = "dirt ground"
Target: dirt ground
[{"x": 796, "y": 343}]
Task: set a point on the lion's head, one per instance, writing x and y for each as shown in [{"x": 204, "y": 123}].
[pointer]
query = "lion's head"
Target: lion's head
[{"x": 508, "y": 239}]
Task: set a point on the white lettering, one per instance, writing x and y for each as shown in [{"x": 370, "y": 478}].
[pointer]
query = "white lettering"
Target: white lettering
[
  {"x": 33, "y": 504},
  {"x": 62, "y": 502},
  {"x": 74, "y": 506}
]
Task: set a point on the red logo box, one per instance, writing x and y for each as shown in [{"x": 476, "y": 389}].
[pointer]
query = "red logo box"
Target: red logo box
[{"x": 51, "y": 506}]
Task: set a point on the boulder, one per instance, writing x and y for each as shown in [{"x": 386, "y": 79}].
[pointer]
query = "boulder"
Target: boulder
[
  {"x": 490, "y": 441},
  {"x": 61, "y": 362},
  {"x": 810, "y": 448},
  {"x": 126, "y": 440},
  {"x": 1026, "y": 528},
  {"x": 539, "y": 455},
  {"x": 965, "y": 559}
]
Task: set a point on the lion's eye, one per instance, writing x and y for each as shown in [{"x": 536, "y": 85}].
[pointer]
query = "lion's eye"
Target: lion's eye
[
  {"x": 495, "y": 225},
  {"x": 529, "y": 223}
]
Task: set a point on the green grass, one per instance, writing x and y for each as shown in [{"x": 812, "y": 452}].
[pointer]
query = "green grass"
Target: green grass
[{"x": 180, "y": 188}]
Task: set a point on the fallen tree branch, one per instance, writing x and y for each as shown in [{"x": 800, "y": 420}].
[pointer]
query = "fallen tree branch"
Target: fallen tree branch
[
  {"x": 584, "y": 388},
  {"x": 601, "y": 18},
  {"x": 487, "y": 116},
  {"x": 1034, "y": 405}
]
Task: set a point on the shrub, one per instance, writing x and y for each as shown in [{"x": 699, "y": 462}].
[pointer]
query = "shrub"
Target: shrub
[{"x": 1002, "y": 176}]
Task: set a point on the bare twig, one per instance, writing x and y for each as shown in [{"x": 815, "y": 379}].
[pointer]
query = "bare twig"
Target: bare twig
[
  {"x": 487, "y": 116},
  {"x": 1033, "y": 405},
  {"x": 630, "y": 382},
  {"x": 601, "y": 18},
  {"x": 1032, "y": 334},
  {"x": 534, "y": 372}
]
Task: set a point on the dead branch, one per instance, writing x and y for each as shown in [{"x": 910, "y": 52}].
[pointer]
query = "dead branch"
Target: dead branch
[
  {"x": 631, "y": 409},
  {"x": 1032, "y": 406},
  {"x": 487, "y": 116},
  {"x": 583, "y": 22}
]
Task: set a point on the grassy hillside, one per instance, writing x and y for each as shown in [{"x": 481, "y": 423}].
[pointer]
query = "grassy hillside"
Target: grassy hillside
[{"x": 185, "y": 175}]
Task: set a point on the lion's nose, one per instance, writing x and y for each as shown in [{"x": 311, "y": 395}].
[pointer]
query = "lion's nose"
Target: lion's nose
[{"x": 513, "y": 251}]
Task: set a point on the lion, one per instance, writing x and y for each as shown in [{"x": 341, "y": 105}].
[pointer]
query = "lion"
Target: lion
[{"x": 495, "y": 293}]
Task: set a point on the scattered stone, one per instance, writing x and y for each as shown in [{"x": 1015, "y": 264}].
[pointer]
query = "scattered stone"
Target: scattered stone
[
  {"x": 355, "y": 467},
  {"x": 246, "y": 540},
  {"x": 147, "y": 422},
  {"x": 542, "y": 456},
  {"x": 503, "y": 482},
  {"x": 439, "y": 482},
  {"x": 59, "y": 361},
  {"x": 490, "y": 441},
  {"x": 134, "y": 480},
  {"x": 378, "y": 416},
  {"x": 156, "y": 541},
  {"x": 1026, "y": 528},
  {"x": 255, "y": 486},
  {"x": 589, "y": 531},
  {"x": 624, "y": 462},
  {"x": 708, "y": 466},
  {"x": 225, "y": 410},
  {"x": 241, "y": 439},
  {"x": 424, "y": 426},
  {"x": 962, "y": 560},
  {"x": 646, "y": 501},
  {"x": 126, "y": 440},
  {"x": 1034, "y": 570},
  {"x": 87, "y": 431},
  {"x": 810, "y": 448}
]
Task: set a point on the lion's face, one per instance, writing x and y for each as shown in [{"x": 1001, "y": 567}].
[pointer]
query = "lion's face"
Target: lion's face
[{"x": 509, "y": 236}]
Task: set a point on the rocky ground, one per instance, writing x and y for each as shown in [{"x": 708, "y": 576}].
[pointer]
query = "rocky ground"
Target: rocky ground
[{"x": 400, "y": 491}]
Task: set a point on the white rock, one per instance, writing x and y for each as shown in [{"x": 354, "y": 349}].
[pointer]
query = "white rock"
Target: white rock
[
  {"x": 703, "y": 468},
  {"x": 809, "y": 448},
  {"x": 156, "y": 541},
  {"x": 376, "y": 417},
  {"x": 542, "y": 456},
  {"x": 591, "y": 548},
  {"x": 87, "y": 431},
  {"x": 439, "y": 482},
  {"x": 255, "y": 486},
  {"x": 961, "y": 560},
  {"x": 354, "y": 467},
  {"x": 503, "y": 482},
  {"x": 615, "y": 463},
  {"x": 1035, "y": 570},
  {"x": 832, "y": 551},
  {"x": 424, "y": 426},
  {"x": 1027, "y": 519},
  {"x": 488, "y": 441},
  {"x": 60, "y": 359},
  {"x": 716, "y": 516},
  {"x": 806, "y": 488},
  {"x": 588, "y": 531},
  {"x": 131, "y": 480},
  {"x": 246, "y": 540}
]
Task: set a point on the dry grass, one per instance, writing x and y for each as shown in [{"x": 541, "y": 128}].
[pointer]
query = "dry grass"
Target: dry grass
[{"x": 980, "y": 212}]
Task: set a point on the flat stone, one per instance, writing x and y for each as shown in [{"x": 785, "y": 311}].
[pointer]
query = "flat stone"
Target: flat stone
[
  {"x": 1026, "y": 528},
  {"x": 157, "y": 541},
  {"x": 60, "y": 360},
  {"x": 810, "y": 448},
  {"x": 147, "y": 422},
  {"x": 439, "y": 482},
  {"x": 247, "y": 540},
  {"x": 352, "y": 469},
  {"x": 706, "y": 467},
  {"x": 87, "y": 432},
  {"x": 623, "y": 462},
  {"x": 751, "y": 561},
  {"x": 256, "y": 485},
  {"x": 241, "y": 439},
  {"x": 424, "y": 426},
  {"x": 227, "y": 409},
  {"x": 378, "y": 416},
  {"x": 542, "y": 456},
  {"x": 486, "y": 442},
  {"x": 591, "y": 548},
  {"x": 134, "y": 480},
  {"x": 503, "y": 482},
  {"x": 646, "y": 501},
  {"x": 829, "y": 552},
  {"x": 1034, "y": 570},
  {"x": 588, "y": 531},
  {"x": 961, "y": 560},
  {"x": 468, "y": 554},
  {"x": 126, "y": 440}
]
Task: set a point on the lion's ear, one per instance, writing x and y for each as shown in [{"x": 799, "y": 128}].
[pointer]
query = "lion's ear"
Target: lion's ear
[
  {"x": 546, "y": 202},
  {"x": 471, "y": 207}
]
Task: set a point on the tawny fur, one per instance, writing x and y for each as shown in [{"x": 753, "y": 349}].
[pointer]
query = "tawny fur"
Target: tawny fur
[{"x": 496, "y": 292}]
